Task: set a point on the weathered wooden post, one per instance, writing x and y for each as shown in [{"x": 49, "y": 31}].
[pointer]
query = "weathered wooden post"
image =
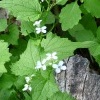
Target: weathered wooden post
[{"x": 78, "y": 79}]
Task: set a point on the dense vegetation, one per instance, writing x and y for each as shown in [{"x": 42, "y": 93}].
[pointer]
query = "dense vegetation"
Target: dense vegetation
[{"x": 35, "y": 37}]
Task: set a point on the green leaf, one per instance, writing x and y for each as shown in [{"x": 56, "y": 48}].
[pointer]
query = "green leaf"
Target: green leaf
[
  {"x": 3, "y": 24},
  {"x": 70, "y": 16},
  {"x": 4, "y": 56},
  {"x": 5, "y": 94},
  {"x": 93, "y": 7},
  {"x": 27, "y": 60},
  {"x": 20, "y": 48},
  {"x": 95, "y": 52},
  {"x": 62, "y": 46},
  {"x": 98, "y": 34},
  {"x": 97, "y": 59},
  {"x": 6, "y": 81},
  {"x": 61, "y": 96},
  {"x": 26, "y": 27},
  {"x": 27, "y": 97},
  {"x": 81, "y": 34},
  {"x": 12, "y": 36},
  {"x": 84, "y": 11},
  {"x": 14, "y": 95},
  {"x": 23, "y": 9},
  {"x": 89, "y": 23},
  {"x": 61, "y": 2},
  {"x": 48, "y": 17},
  {"x": 19, "y": 83},
  {"x": 42, "y": 88}
]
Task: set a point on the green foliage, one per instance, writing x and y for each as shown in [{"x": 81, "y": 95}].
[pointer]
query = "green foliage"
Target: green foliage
[
  {"x": 61, "y": 96},
  {"x": 23, "y": 10},
  {"x": 93, "y": 7},
  {"x": 6, "y": 81},
  {"x": 98, "y": 34},
  {"x": 4, "y": 56},
  {"x": 81, "y": 34},
  {"x": 26, "y": 27},
  {"x": 66, "y": 16},
  {"x": 43, "y": 88},
  {"x": 12, "y": 36},
  {"x": 48, "y": 17},
  {"x": 89, "y": 23},
  {"x": 27, "y": 60},
  {"x": 34, "y": 28},
  {"x": 62, "y": 46},
  {"x": 5, "y": 94},
  {"x": 3, "y": 24}
]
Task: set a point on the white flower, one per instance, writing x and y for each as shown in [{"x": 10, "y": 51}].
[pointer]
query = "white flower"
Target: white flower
[
  {"x": 40, "y": 65},
  {"x": 58, "y": 67},
  {"x": 27, "y": 87},
  {"x": 51, "y": 56},
  {"x": 42, "y": 0},
  {"x": 44, "y": 61},
  {"x": 41, "y": 29},
  {"x": 37, "y": 23},
  {"x": 32, "y": 75},
  {"x": 30, "y": 88},
  {"x": 27, "y": 79}
]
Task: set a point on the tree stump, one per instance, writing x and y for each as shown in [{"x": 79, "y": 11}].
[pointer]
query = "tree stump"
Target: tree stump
[{"x": 79, "y": 80}]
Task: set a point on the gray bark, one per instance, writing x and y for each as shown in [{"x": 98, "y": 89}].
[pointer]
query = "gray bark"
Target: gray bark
[{"x": 79, "y": 80}]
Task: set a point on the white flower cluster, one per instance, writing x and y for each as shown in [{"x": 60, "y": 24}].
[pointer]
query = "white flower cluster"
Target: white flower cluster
[
  {"x": 52, "y": 59},
  {"x": 27, "y": 86},
  {"x": 39, "y": 29}
]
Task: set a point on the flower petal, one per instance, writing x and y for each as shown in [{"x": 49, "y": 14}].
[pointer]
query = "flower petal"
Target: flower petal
[
  {"x": 43, "y": 28},
  {"x": 37, "y": 28},
  {"x": 25, "y": 87},
  {"x": 48, "y": 56},
  {"x": 55, "y": 66},
  {"x": 42, "y": 0},
  {"x": 44, "y": 31},
  {"x": 39, "y": 63},
  {"x": 30, "y": 88},
  {"x": 32, "y": 75},
  {"x": 38, "y": 31},
  {"x": 60, "y": 63},
  {"x": 54, "y": 53},
  {"x": 37, "y": 23},
  {"x": 44, "y": 67},
  {"x": 58, "y": 70},
  {"x": 63, "y": 67},
  {"x": 27, "y": 79},
  {"x": 54, "y": 57},
  {"x": 44, "y": 61}
]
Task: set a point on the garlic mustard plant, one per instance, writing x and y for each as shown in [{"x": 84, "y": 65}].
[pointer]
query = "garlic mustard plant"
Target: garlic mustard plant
[
  {"x": 34, "y": 40},
  {"x": 58, "y": 67},
  {"x": 37, "y": 23},
  {"x": 40, "y": 65},
  {"x": 27, "y": 79},
  {"x": 41, "y": 29},
  {"x": 38, "y": 28},
  {"x": 51, "y": 56},
  {"x": 27, "y": 87}
]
